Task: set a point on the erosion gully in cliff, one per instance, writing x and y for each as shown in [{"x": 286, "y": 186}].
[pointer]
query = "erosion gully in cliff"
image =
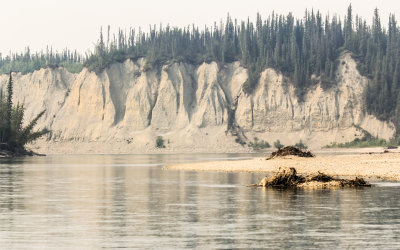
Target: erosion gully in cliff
[{"x": 193, "y": 106}]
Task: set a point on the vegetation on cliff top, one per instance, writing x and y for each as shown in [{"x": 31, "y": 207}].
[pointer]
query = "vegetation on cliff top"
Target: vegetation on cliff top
[
  {"x": 305, "y": 50},
  {"x": 28, "y": 62},
  {"x": 13, "y": 135}
]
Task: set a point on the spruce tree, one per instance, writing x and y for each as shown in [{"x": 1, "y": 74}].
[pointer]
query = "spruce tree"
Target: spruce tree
[{"x": 9, "y": 105}]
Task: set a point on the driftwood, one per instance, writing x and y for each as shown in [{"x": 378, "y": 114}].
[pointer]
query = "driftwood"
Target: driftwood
[
  {"x": 288, "y": 178},
  {"x": 319, "y": 177},
  {"x": 290, "y": 150}
]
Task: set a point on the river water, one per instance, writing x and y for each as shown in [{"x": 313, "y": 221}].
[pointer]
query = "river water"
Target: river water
[{"x": 129, "y": 201}]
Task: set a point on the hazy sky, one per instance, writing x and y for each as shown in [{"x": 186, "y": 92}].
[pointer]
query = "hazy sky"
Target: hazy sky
[{"x": 76, "y": 23}]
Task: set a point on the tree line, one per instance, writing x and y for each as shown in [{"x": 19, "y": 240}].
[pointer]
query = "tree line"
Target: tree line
[
  {"x": 27, "y": 61},
  {"x": 305, "y": 50}
]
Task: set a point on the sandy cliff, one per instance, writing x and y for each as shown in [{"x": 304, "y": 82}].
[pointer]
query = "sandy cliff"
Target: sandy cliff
[{"x": 124, "y": 109}]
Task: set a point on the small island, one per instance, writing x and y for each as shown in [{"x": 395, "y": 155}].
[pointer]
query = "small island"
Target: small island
[{"x": 13, "y": 134}]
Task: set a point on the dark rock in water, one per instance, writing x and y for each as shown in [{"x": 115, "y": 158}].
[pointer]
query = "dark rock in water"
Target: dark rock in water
[
  {"x": 288, "y": 178},
  {"x": 290, "y": 150}
]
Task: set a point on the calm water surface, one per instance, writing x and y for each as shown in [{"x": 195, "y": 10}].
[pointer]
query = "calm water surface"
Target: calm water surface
[{"x": 129, "y": 201}]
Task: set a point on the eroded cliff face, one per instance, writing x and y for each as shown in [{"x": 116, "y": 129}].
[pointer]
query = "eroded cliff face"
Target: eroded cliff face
[{"x": 124, "y": 108}]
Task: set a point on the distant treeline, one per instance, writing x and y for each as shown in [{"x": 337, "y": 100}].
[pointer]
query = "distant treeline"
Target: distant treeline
[
  {"x": 28, "y": 62},
  {"x": 305, "y": 50}
]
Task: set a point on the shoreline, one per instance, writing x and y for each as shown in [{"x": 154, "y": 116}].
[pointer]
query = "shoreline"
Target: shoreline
[
  {"x": 371, "y": 166},
  {"x": 166, "y": 151},
  {"x": 6, "y": 154},
  {"x": 120, "y": 147}
]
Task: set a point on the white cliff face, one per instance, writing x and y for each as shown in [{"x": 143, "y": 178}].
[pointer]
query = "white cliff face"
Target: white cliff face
[
  {"x": 189, "y": 106},
  {"x": 173, "y": 106},
  {"x": 44, "y": 89},
  {"x": 274, "y": 107}
]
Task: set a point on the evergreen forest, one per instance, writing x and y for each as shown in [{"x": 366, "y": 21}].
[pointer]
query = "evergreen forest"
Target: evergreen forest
[{"x": 305, "y": 50}]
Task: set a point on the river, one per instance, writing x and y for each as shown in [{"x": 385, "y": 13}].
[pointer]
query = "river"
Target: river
[{"x": 129, "y": 201}]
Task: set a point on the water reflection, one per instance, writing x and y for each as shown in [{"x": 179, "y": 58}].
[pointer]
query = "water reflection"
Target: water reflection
[{"x": 128, "y": 201}]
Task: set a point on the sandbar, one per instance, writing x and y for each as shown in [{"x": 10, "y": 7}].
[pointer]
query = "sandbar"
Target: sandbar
[{"x": 372, "y": 166}]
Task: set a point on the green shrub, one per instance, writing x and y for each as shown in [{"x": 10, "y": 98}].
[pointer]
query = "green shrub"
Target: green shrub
[
  {"x": 278, "y": 145},
  {"x": 365, "y": 142},
  {"x": 256, "y": 145},
  {"x": 160, "y": 142},
  {"x": 240, "y": 141},
  {"x": 301, "y": 145}
]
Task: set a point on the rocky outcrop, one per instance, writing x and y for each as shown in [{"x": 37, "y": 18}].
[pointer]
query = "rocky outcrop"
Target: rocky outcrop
[{"x": 130, "y": 104}]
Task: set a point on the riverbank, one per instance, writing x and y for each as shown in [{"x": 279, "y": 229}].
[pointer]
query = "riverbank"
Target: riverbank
[
  {"x": 369, "y": 165},
  {"x": 43, "y": 146},
  {"x": 6, "y": 153},
  {"x": 10, "y": 154}
]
